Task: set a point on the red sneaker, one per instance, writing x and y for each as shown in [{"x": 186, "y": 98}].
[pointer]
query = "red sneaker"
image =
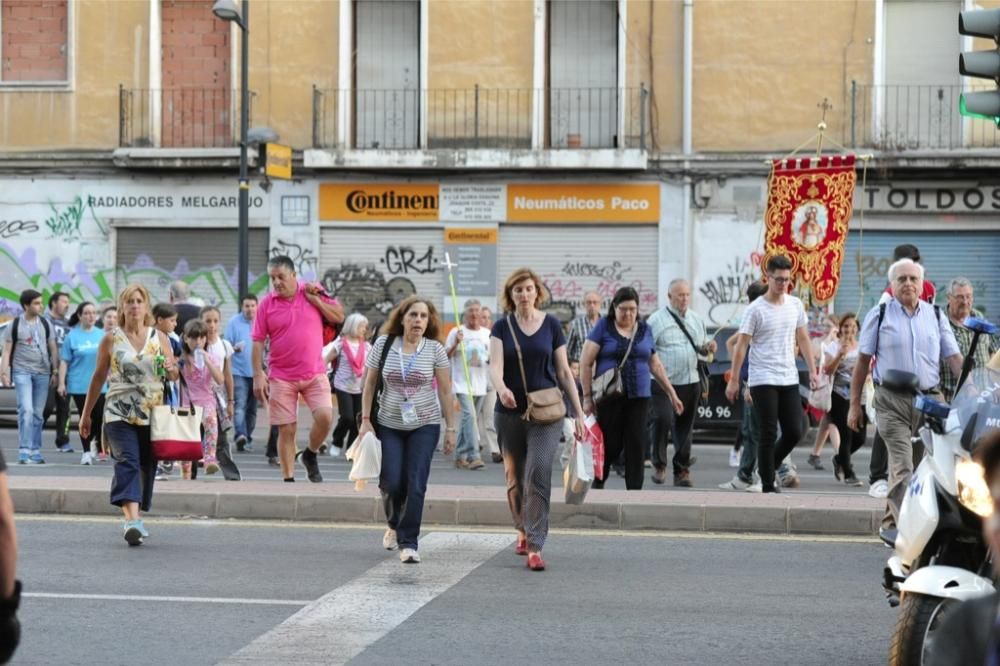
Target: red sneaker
[{"x": 522, "y": 546}]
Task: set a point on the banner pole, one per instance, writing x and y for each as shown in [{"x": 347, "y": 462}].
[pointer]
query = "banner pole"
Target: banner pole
[{"x": 461, "y": 344}]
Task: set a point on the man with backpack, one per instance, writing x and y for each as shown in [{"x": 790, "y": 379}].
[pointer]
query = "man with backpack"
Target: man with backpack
[
  {"x": 909, "y": 338},
  {"x": 30, "y": 360}
]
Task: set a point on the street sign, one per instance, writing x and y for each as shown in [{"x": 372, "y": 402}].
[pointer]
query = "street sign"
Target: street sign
[
  {"x": 981, "y": 64},
  {"x": 278, "y": 161}
]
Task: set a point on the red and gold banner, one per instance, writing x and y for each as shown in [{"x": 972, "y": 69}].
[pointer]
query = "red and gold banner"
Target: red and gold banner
[{"x": 809, "y": 202}]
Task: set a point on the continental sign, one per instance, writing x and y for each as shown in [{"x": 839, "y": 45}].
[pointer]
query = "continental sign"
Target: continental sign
[
  {"x": 470, "y": 236},
  {"x": 381, "y": 201},
  {"x": 538, "y": 202},
  {"x": 583, "y": 203}
]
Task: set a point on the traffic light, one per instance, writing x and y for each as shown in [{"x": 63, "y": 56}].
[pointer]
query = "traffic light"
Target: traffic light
[{"x": 981, "y": 64}]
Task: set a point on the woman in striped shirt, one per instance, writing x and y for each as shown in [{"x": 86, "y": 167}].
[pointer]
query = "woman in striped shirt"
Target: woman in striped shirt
[{"x": 409, "y": 415}]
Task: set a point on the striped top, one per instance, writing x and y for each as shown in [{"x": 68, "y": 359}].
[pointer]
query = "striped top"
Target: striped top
[
  {"x": 911, "y": 343},
  {"x": 672, "y": 346},
  {"x": 579, "y": 329},
  {"x": 133, "y": 387},
  {"x": 418, "y": 387}
]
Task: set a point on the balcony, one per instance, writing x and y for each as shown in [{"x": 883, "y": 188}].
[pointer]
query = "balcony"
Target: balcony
[
  {"x": 900, "y": 118},
  {"x": 196, "y": 118},
  {"x": 489, "y": 127}
]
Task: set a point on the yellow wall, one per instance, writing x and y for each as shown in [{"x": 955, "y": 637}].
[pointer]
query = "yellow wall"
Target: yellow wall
[
  {"x": 293, "y": 46},
  {"x": 761, "y": 68},
  {"x": 85, "y": 115}
]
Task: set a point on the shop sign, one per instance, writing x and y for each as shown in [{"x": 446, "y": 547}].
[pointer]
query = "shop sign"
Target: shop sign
[
  {"x": 624, "y": 203},
  {"x": 473, "y": 256},
  {"x": 378, "y": 202}
]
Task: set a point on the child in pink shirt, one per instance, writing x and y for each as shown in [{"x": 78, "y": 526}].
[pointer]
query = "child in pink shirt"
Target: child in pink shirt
[{"x": 199, "y": 374}]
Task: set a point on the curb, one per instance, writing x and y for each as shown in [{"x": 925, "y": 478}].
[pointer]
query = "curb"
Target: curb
[{"x": 792, "y": 520}]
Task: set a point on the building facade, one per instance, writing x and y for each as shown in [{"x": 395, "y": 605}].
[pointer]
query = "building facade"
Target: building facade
[{"x": 601, "y": 142}]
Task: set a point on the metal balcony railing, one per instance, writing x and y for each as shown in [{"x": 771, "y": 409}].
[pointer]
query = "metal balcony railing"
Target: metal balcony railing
[
  {"x": 915, "y": 117},
  {"x": 179, "y": 117},
  {"x": 480, "y": 118}
]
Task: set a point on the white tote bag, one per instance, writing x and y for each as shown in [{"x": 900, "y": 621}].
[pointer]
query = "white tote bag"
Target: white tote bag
[
  {"x": 366, "y": 453},
  {"x": 579, "y": 474}
]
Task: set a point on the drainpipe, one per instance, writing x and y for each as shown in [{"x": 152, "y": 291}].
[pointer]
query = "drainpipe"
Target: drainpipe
[{"x": 686, "y": 137}]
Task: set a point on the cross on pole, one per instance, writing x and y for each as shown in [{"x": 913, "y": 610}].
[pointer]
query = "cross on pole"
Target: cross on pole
[{"x": 824, "y": 106}]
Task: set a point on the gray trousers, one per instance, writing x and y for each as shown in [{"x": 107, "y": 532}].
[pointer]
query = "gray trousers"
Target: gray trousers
[
  {"x": 897, "y": 422},
  {"x": 528, "y": 452},
  {"x": 486, "y": 423}
]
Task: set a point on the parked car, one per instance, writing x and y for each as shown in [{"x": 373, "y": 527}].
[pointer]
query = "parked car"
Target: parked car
[{"x": 719, "y": 413}]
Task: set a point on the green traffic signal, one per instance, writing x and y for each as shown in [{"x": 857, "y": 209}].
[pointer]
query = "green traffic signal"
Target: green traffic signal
[{"x": 973, "y": 106}]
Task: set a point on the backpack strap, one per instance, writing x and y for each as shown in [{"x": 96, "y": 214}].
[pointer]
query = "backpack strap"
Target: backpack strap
[
  {"x": 878, "y": 325},
  {"x": 13, "y": 336}
]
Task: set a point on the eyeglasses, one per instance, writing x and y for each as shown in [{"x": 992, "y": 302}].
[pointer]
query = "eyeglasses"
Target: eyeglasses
[{"x": 779, "y": 280}]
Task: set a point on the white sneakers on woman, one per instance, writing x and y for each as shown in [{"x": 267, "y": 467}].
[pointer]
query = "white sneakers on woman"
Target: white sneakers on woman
[
  {"x": 389, "y": 540},
  {"x": 409, "y": 556}
]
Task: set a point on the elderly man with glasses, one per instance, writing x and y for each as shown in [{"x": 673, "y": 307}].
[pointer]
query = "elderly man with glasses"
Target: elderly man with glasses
[
  {"x": 909, "y": 339},
  {"x": 960, "y": 302}
]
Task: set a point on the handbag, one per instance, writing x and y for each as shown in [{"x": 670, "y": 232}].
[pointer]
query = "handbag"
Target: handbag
[
  {"x": 546, "y": 405},
  {"x": 379, "y": 385},
  {"x": 609, "y": 383},
  {"x": 595, "y": 438},
  {"x": 579, "y": 474},
  {"x": 366, "y": 454},
  {"x": 175, "y": 432},
  {"x": 821, "y": 397},
  {"x": 704, "y": 372}
]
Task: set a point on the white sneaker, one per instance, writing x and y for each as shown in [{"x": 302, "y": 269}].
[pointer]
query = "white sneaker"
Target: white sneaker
[
  {"x": 734, "y": 458},
  {"x": 336, "y": 451},
  {"x": 389, "y": 540},
  {"x": 409, "y": 556},
  {"x": 87, "y": 458},
  {"x": 879, "y": 489},
  {"x": 735, "y": 483}
]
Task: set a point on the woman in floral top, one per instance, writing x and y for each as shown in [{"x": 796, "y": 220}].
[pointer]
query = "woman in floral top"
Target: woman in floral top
[{"x": 127, "y": 359}]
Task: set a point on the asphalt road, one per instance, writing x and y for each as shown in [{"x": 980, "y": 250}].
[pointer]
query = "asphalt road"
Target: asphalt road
[
  {"x": 711, "y": 469},
  {"x": 202, "y": 592}
]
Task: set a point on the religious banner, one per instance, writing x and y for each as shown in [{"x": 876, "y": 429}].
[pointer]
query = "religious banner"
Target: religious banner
[{"x": 809, "y": 203}]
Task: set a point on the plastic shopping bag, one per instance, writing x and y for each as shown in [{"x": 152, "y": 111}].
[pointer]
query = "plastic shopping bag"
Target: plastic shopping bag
[
  {"x": 595, "y": 438},
  {"x": 578, "y": 476},
  {"x": 366, "y": 453}
]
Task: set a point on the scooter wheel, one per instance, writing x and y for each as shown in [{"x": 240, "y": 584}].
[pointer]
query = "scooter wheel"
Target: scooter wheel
[{"x": 919, "y": 617}]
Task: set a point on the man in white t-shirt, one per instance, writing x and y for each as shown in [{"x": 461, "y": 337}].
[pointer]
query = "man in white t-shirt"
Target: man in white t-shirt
[
  {"x": 774, "y": 324},
  {"x": 470, "y": 389}
]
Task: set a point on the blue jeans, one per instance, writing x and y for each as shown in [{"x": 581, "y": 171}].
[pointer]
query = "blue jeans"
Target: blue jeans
[
  {"x": 245, "y": 413},
  {"x": 406, "y": 464},
  {"x": 467, "y": 447},
  {"x": 31, "y": 393},
  {"x": 135, "y": 469}
]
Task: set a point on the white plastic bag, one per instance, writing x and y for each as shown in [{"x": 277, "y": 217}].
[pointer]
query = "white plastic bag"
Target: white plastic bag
[
  {"x": 366, "y": 453},
  {"x": 579, "y": 474}
]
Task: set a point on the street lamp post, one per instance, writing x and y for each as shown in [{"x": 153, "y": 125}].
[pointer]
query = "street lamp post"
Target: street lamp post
[{"x": 227, "y": 10}]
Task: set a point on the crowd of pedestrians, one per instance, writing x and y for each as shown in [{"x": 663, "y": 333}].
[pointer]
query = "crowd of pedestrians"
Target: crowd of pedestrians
[{"x": 516, "y": 387}]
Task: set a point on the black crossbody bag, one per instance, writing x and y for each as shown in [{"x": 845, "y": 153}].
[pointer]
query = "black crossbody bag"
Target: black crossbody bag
[
  {"x": 379, "y": 384},
  {"x": 704, "y": 373}
]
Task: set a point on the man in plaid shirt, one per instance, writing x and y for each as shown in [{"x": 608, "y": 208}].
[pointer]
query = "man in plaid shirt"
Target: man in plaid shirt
[
  {"x": 960, "y": 301},
  {"x": 580, "y": 327}
]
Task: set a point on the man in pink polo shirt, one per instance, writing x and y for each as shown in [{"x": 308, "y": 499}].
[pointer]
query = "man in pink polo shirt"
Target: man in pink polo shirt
[{"x": 291, "y": 316}]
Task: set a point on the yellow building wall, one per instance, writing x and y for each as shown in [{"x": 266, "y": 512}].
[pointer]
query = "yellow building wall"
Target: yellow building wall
[
  {"x": 484, "y": 42},
  {"x": 655, "y": 58},
  {"x": 84, "y": 115},
  {"x": 293, "y": 46},
  {"x": 761, "y": 69}
]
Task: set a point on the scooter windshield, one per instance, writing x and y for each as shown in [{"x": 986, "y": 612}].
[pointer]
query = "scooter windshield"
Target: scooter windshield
[{"x": 977, "y": 406}]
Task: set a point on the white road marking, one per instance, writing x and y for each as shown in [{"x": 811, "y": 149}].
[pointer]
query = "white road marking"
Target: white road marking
[
  {"x": 344, "y": 623},
  {"x": 183, "y": 600}
]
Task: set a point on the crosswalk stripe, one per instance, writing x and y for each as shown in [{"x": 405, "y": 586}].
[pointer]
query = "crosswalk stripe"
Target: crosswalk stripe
[
  {"x": 342, "y": 624},
  {"x": 183, "y": 600}
]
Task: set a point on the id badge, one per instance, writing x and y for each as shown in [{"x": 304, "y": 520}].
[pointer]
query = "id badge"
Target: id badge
[{"x": 408, "y": 411}]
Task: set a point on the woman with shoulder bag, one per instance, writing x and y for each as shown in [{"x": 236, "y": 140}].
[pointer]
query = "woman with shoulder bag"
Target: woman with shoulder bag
[
  {"x": 409, "y": 415},
  {"x": 528, "y": 364},
  {"x": 129, "y": 357},
  {"x": 839, "y": 362},
  {"x": 621, "y": 346}
]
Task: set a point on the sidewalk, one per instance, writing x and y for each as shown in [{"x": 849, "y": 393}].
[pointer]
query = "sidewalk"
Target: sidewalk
[{"x": 792, "y": 512}]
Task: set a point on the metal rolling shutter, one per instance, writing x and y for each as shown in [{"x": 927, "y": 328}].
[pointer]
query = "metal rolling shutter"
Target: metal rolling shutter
[
  {"x": 204, "y": 258},
  {"x": 583, "y": 72},
  {"x": 387, "y": 73},
  {"x": 970, "y": 254},
  {"x": 573, "y": 260},
  {"x": 370, "y": 270}
]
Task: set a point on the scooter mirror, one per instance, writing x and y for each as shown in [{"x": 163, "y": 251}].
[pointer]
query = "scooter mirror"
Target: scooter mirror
[{"x": 978, "y": 325}]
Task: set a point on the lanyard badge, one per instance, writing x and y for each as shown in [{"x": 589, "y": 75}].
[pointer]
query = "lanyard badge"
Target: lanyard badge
[{"x": 408, "y": 411}]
